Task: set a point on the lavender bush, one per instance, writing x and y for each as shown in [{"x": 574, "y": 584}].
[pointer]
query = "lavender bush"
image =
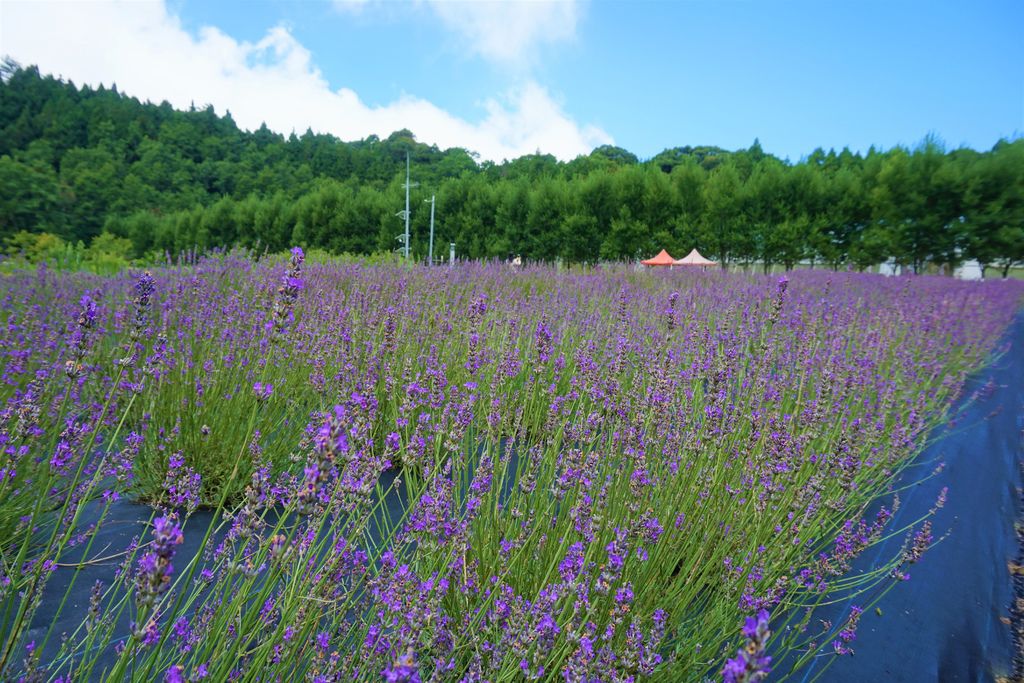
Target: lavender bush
[{"x": 599, "y": 475}]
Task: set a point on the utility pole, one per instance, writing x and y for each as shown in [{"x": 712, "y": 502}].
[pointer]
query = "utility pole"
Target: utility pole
[
  {"x": 430, "y": 253},
  {"x": 405, "y": 214}
]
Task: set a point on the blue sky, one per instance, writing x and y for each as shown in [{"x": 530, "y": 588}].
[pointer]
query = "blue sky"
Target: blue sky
[{"x": 506, "y": 79}]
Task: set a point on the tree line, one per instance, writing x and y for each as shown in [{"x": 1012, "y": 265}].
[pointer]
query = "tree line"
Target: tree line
[{"x": 79, "y": 164}]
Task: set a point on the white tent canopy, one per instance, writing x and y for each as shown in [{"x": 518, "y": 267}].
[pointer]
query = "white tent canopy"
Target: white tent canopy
[{"x": 695, "y": 259}]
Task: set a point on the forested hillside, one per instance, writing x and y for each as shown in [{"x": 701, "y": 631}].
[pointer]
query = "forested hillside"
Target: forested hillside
[{"x": 79, "y": 163}]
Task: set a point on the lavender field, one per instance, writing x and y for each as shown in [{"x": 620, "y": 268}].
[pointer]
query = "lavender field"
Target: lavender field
[{"x": 354, "y": 473}]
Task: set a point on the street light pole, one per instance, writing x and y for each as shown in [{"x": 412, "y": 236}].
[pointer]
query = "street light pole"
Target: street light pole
[
  {"x": 406, "y": 206},
  {"x": 430, "y": 253},
  {"x": 405, "y": 214}
]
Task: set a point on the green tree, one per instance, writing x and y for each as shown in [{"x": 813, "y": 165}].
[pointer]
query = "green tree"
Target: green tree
[
  {"x": 29, "y": 198},
  {"x": 90, "y": 178},
  {"x": 994, "y": 207},
  {"x": 628, "y": 239},
  {"x": 721, "y": 228}
]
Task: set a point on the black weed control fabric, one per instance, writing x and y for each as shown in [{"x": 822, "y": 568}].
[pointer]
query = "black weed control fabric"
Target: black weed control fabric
[{"x": 949, "y": 622}]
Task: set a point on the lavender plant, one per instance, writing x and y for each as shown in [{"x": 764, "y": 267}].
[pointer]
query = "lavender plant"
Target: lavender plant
[{"x": 462, "y": 474}]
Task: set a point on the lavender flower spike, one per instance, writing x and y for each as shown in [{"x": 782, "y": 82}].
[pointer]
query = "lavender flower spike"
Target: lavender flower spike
[{"x": 750, "y": 663}]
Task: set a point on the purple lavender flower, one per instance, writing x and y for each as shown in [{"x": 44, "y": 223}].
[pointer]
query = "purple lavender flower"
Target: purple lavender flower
[
  {"x": 402, "y": 670},
  {"x": 921, "y": 542},
  {"x": 542, "y": 339},
  {"x": 144, "y": 288},
  {"x": 670, "y": 312},
  {"x": 848, "y": 633},
  {"x": 617, "y": 550},
  {"x": 262, "y": 391},
  {"x": 79, "y": 338},
  {"x": 88, "y": 314},
  {"x": 62, "y": 456},
  {"x": 571, "y": 565},
  {"x": 154, "y": 567},
  {"x": 182, "y": 485},
  {"x": 751, "y": 663},
  {"x": 288, "y": 292},
  {"x": 331, "y": 439}
]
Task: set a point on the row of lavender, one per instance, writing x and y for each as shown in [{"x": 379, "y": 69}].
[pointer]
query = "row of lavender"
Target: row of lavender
[{"x": 463, "y": 474}]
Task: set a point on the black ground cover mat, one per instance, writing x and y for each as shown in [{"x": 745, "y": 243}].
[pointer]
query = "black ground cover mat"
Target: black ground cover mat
[
  {"x": 955, "y": 618},
  {"x": 124, "y": 522}
]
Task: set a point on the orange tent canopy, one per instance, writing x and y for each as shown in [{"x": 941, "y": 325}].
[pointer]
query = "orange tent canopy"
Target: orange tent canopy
[
  {"x": 694, "y": 259},
  {"x": 662, "y": 259}
]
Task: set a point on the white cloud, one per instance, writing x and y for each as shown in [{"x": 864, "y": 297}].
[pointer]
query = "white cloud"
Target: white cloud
[
  {"x": 509, "y": 32},
  {"x": 351, "y": 6},
  {"x": 145, "y": 50}
]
